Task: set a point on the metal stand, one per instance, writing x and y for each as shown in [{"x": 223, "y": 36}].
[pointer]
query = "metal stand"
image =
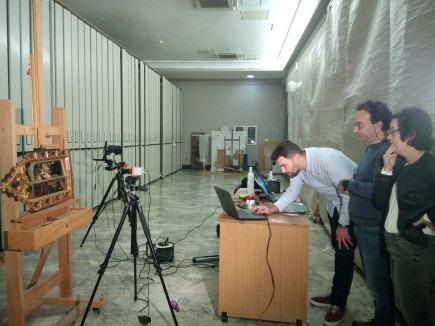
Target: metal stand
[
  {"x": 121, "y": 195},
  {"x": 134, "y": 208},
  {"x": 232, "y": 140}
]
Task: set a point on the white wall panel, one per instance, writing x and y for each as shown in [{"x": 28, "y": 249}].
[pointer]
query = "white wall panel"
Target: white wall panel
[
  {"x": 93, "y": 88},
  {"x": 110, "y": 93},
  {"x": 167, "y": 158},
  {"x": 166, "y": 122},
  {"x": 99, "y": 75},
  {"x": 87, "y": 82},
  {"x": 142, "y": 113},
  {"x": 4, "y": 80},
  {"x": 79, "y": 172},
  {"x": 152, "y": 123},
  {"x": 153, "y": 166},
  {"x": 137, "y": 114},
  {"x": 130, "y": 103},
  {"x": 75, "y": 161},
  {"x": 153, "y": 106},
  {"x": 97, "y": 172},
  {"x": 15, "y": 75},
  {"x": 74, "y": 109},
  {"x": 125, "y": 95},
  {"x": 104, "y": 105},
  {"x": 166, "y": 111},
  {"x": 18, "y": 50},
  {"x": 176, "y": 132},
  {"x": 80, "y": 107},
  {"x": 117, "y": 94},
  {"x": 86, "y": 194},
  {"x": 67, "y": 43},
  {"x": 58, "y": 58}
]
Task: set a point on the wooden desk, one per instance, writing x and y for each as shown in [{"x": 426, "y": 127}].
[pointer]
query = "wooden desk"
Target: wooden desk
[{"x": 246, "y": 286}]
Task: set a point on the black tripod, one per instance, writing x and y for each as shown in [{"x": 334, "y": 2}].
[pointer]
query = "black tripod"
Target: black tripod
[
  {"x": 133, "y": 208},
  {"x": 122, "y": 194}
]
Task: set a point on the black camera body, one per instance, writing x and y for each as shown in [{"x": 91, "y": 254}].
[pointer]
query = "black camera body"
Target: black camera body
[{"x": 112, "y": 149}]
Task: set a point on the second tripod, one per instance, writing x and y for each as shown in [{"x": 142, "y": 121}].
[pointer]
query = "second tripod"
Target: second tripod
[{"x": 134, "y": 210}]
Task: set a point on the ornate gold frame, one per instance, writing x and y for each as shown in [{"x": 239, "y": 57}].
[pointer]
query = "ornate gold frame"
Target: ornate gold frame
[{"x": 42, "y": 179}]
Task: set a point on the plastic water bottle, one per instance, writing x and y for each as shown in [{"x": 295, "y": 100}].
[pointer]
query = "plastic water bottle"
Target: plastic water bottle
[{"x": 250, "y": 181}]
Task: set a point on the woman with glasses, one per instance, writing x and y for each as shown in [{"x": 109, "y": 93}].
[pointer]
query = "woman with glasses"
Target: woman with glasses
[{"x": 407, "y": 195}]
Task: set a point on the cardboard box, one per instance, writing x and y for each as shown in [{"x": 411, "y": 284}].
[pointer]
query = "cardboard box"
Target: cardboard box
[
  {"x": 237, "y": 159},
  {"x": 228, "y": 161},
  {"x": 264, "y": 151},
  {"x": 220, "y": 160}
]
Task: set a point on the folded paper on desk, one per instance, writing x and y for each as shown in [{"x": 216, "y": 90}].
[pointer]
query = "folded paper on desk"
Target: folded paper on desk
[
  {"x": 293, "y": 208},
  {"x": 228, "y": 206}
]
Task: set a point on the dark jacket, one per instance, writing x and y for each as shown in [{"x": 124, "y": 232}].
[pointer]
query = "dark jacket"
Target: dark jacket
[{"x": 415, "y": 196}]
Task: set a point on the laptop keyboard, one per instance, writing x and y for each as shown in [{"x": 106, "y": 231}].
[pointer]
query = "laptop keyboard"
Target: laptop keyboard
[
  {"x": 298, "y": 208},
  {"x": 244, "y": 213}
]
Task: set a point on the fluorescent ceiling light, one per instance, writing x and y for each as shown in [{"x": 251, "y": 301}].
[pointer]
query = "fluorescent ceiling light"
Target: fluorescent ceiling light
[{"x": 301, "y": 19}]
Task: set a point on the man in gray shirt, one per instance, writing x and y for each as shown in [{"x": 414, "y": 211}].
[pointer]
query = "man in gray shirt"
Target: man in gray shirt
[{"x": 322, "y": 169}]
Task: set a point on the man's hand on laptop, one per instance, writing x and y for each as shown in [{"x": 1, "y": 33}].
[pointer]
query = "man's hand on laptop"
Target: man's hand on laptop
[{"x": 264, "y": 210}]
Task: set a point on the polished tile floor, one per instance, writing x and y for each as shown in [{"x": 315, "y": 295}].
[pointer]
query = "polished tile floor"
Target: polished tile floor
[{"x": 181, "y": 208}]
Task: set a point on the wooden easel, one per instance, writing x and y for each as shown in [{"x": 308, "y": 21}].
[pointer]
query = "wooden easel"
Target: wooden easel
[{"x": 30, "y": 231}]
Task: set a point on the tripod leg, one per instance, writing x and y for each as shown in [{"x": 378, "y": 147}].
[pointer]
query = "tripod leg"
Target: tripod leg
[
  {"x": 99, "y": 210},
  {"x": 103, "y": 266},
  {"x": 134, "y": 247},
  {"x": 154, "y": 256}
]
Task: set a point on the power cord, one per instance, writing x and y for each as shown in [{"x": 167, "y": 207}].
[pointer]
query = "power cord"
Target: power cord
[{"x": 270, "y": 270}]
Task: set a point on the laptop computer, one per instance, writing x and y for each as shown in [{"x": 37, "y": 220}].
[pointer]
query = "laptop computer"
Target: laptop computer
[
  {"x": 294, "y": 208},
  {"x": 257, "y": 169},
  {"x": 228, "y": 206}
]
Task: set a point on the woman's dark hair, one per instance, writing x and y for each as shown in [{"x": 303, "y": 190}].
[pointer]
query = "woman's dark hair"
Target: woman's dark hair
[
  {"x": 286, "y": 149},
  {"x": 379, "y": 111},
  {"x": 415, "y": 124}
]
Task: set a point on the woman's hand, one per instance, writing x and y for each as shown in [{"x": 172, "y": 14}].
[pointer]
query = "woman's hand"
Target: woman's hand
[
  {"x": 421, "y": 221},
  {"x": 389, "y": 158}
]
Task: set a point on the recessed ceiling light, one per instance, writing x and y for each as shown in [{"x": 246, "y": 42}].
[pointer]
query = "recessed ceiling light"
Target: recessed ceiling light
[{"x": 250, "y": 76}]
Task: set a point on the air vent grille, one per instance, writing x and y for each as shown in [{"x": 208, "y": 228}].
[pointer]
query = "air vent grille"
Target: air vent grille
[
  {"x": 228, "y": 55},
  {"x": 216, "y": 4}
]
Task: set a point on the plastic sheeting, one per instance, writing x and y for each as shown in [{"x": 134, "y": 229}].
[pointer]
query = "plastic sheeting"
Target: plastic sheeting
[{"x": 368, "y": 49}]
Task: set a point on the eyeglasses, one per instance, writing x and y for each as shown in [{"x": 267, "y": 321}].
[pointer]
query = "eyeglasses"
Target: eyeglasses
[
  {"x": 392, "y": 131},
  {"x": 359, "y": 125}
]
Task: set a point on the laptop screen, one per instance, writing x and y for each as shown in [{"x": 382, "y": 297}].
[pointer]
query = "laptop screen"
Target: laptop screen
[
  {"x": 257, "y": 169},
  {"x": 263, "y": 186}
]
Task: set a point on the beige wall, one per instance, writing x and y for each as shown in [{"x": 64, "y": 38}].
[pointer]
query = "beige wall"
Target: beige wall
[{"x": 210, "y": 104}]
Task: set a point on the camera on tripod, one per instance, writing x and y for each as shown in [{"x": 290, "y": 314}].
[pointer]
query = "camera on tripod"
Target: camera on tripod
[
  {"x": 111, "y": 164},
  {"x": 112, "y": 149}
]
